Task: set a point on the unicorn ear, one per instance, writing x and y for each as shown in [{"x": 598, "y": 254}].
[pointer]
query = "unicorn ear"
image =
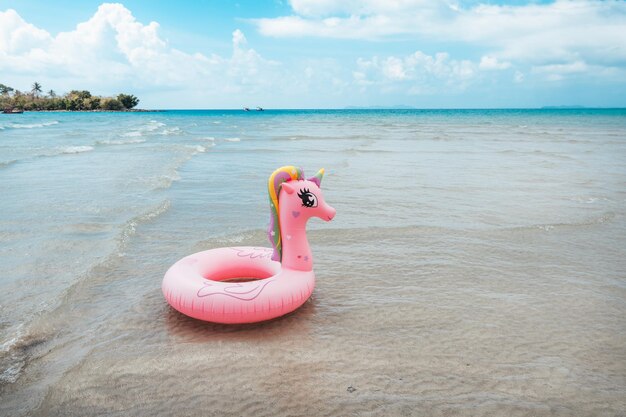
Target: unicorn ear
[
  {"x": 317, "y": 179},
  {"x": 287, "y": 187}
]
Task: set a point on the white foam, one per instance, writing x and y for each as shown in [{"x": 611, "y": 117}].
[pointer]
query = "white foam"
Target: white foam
[
  {"x": 131, "y": 226},
  {"x": 9, "y": 344},
  {"x": 11, "y": 373},
  {"x": 172, "y": 131},
  {"x": 33, "y": 125},
  {"x": 166, "y": 180},
  {"x": 153, "y": 125},
  {"x": 120, "y": 142},
  {"x": 232, "y": 139},
  {"x": 76, "y": 149}
]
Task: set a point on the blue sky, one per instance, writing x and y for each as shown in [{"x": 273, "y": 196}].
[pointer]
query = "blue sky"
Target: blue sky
[{"x": 322, "y": 53}]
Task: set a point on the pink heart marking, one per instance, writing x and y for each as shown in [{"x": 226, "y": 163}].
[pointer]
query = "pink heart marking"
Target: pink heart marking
[{"x": 295, "y": 213}]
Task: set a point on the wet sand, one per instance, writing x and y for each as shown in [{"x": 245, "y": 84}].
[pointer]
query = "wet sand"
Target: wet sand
[{"x": 408, "y": 332}]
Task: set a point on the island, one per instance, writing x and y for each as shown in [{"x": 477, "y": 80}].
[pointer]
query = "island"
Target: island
[{"x": 16, "y": 101}]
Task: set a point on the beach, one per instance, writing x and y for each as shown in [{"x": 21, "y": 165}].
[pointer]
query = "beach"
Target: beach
[{"x": 476, "y": 264}]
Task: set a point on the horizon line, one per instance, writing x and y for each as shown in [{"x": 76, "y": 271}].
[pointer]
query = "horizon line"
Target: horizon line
[{"x": 253, "y": 110}]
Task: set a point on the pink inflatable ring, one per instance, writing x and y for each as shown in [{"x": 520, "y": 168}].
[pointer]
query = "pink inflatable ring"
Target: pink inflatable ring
[{"x": 279, "y": 280}]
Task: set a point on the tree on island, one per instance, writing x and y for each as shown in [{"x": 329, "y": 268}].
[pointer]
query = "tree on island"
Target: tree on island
[
  {"x": 112, "y": 104},
  {"x": 128, "y": 100},
  {"x": 5, "y": 90},
  {"x": 36, "y": 89},
  {"x": 75, "y": 100}
]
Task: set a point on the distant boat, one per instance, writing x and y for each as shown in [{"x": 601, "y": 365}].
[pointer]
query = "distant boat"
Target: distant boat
[
  {"x": 12, "y": 111},
  {"x": 259, "y": 109},
  {"x": 246, "y": 109}
]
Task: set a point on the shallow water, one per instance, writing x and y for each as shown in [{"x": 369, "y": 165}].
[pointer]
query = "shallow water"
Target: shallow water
[{"x": 476, "y": 265}]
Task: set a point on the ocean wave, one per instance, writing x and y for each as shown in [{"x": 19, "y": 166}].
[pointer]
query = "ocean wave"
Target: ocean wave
[
  {"x": 15, "y": 351},
  {"x": 32, "y": 125},
  {"x": 120, "y": 142},
  {"x": 198, "y": 149},
  {"x": 296, "y": 137},
  {"x": 232, "y": 139},
  {"x": 547, "y": 227},
  {"x": 4, "y": 164},
  {"x": 536, "y": 152},
  {"x": 76, "y": 149},
  {"x": 362, "y": 151},
  {"x": 238, "y": 238},
  {"x": 7, "y": 345},
  {"x": 132, "y": 134},
  {"x": 317, "y": 137},
  {"x": 51, "y": 152},
  {"x": 10, "y": 363},
  {"x": 589, "y": 200},
  {"x": 130, "y": 228},
  {"x": 166, "y": 180},
  {"x": 207, "y": 138},
  {"x": 171, "y": 174},
  {"x": 171, "y": 131},
  {"x": 153, "y": 125},
  {"x": 148, "y": 128},
  {"x": 26, "y": 341}
]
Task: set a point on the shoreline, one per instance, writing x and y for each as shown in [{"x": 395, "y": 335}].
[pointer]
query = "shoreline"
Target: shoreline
[{"x": 91, "y": 111}]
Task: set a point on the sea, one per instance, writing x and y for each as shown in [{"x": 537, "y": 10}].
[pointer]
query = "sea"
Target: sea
[{"x": 476, "y": 264}]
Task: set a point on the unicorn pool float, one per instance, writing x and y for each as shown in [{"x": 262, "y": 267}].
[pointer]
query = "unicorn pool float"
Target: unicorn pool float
[{"x": 279, "y": 280}]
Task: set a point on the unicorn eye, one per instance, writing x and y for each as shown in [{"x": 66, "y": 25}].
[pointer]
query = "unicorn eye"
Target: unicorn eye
[{"x": 308, "y": 198}]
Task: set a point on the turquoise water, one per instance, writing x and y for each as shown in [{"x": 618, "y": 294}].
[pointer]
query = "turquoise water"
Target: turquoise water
[{"x": 489, "y": 237}]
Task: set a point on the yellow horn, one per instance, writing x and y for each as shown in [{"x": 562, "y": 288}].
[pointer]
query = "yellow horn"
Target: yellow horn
[{"x": 317, "y": 178}]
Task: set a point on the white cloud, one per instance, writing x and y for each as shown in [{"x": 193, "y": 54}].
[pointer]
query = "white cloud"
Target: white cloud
[
  {"x": 492, "y": 63},
  {"x": 571, "y": 68},
  {"x": 17, "y": 36},
  {"x": 534, "y": 34},
  {"x": 239, "y": 39},
  {"x": 394, "y": 69},
  {"x": 576, "y": 70},
  {"x": 418, "y": 73},
  {"x": 112, "y": 50},
  {"x": 322, "y": 8}
]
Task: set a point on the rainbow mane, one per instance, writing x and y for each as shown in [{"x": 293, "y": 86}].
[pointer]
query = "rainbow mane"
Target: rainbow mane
[{"x": 282, "y": 174}]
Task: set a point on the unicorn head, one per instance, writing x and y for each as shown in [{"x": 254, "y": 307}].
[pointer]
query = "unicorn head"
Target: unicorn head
[{"x": 300, "y": 198}]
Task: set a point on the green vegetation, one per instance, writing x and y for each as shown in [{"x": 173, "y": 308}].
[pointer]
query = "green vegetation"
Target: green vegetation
[{"x": 75, "y": 100}]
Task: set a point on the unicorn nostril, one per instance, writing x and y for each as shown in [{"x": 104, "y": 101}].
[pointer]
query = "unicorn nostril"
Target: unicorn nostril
[{"x": 330, "y": 214}]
